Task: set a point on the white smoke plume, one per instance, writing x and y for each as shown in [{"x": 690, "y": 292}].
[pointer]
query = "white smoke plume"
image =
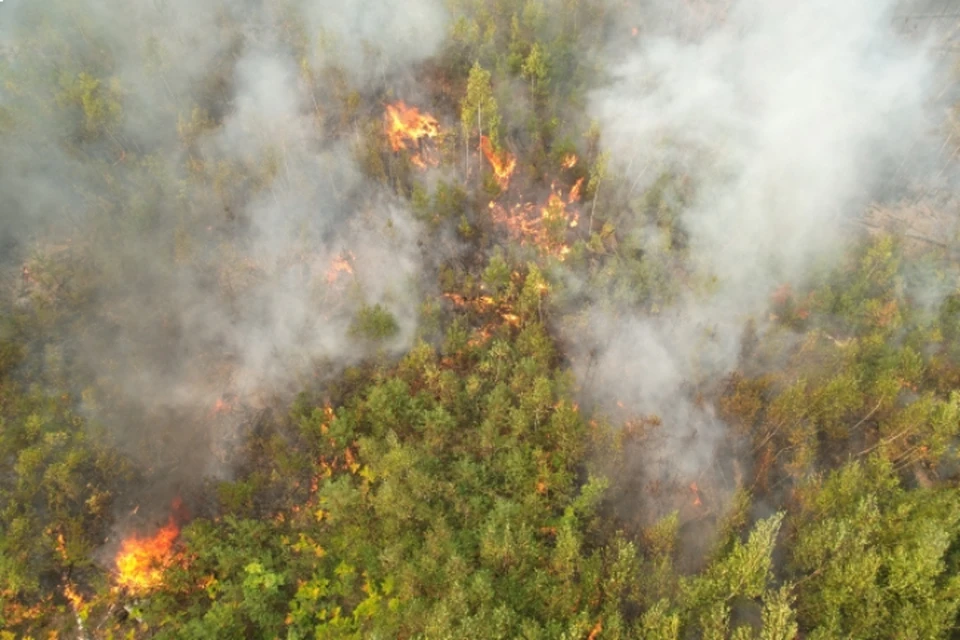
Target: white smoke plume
[
  {"x": 786, "y": 118},
  {"x": 229, "y": 229}
]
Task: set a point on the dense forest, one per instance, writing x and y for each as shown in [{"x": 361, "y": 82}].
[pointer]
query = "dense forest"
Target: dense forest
[{"x": 584, "y": 319}]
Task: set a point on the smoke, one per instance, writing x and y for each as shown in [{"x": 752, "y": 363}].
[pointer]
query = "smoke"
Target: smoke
[
  {"x": 188, "y": 171},
  {"x": 377, "y": 38},
  {"x": 185, "y": 172},
  {"x": 786, "y": 119}
]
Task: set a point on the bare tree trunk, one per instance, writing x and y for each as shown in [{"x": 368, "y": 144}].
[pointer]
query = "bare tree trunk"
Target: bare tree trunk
[
  {"x": 480, "y": 149},
  {"x": 593, "y": 207}
]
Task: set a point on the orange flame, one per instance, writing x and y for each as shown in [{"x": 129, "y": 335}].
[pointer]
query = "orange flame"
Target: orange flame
[
  {"x": 408, "y": 129},
  {"x": 62, "y": 547},
  {"x": 696, "y": 494},
  {"x": 569, "y": 161},
  {"x": 502, "y": 168},
  {"x": 221, "y": 406},
  {"x": 596, "y": 631},
  {"x": 76, "y": 600},
  {"x": 546, "y": 230},
  {"x": 141, "y": 561},
  {"x": 340, "y": 264},
  {"x": 575, "y": 191}
]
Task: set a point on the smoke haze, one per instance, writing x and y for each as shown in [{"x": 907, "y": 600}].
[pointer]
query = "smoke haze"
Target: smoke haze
[
  {"x": 785, "y": 119},
  {"x": 195, "y": 178},
  {"x": 203, "y": 177}
]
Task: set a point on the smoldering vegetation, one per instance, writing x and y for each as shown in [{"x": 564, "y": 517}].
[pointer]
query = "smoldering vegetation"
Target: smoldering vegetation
[{"x": 184, "y": 175}]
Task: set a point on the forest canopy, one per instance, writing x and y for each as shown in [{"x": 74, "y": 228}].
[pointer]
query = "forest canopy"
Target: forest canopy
[{"x": 479, "y": 319}]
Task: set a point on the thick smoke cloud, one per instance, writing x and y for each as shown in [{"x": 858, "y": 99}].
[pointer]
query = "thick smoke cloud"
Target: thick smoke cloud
[
  {"x": 229, "y": 232},
  {"x": 786, "y": 118}
]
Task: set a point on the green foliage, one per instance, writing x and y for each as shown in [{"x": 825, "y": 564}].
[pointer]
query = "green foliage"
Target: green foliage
[
  {"x": 417, "y": 524},
  {"x": 446, "y": 203},
  {"x": 497, "y": 274},
  {"x": 458, "y": 491},
  {"x": 56, "y": 490},
  {"x": 479, "y": 110},
  {"x": 98, "y": 103},
  {"x": 876, "y": 559},
  {"x": 534, "y": 68},
  {"x": 374, "y": 323},
  {"x": 743, "y": 572}
]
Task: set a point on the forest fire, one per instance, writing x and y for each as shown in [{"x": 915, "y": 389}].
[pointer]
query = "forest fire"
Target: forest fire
[
  {"x": 695, "y": 490},
  {"x": 575, "y": 191},
  {"x": 221, "y": 406},
  {"x": 503, "y": 168},
  {"x": 341, "y": 264},
  {"x": 419, "y": 369},
  {"x": 72, "y": 596},
  {"x": 141, "y": 561},
  {"x": 544, "y": 226},
  {"x": 781, "y": 294},
  {"x": 408, "y": 129}
]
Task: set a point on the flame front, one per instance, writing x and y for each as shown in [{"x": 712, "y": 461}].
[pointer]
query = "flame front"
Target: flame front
[
  {"x": 545, "y": 225},
  {"x": 408, "y": 129},
  {"x": 502, "y": 167},
  {"x": 141, "y": 561}
]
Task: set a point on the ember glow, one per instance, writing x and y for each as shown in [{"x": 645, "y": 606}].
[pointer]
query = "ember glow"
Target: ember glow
[
  {"x": 569, "y": 161},
  {"x": 141, "y": 561},
  {"x": 408, "y": 129},
  {"x": 503, "y": 167}
]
